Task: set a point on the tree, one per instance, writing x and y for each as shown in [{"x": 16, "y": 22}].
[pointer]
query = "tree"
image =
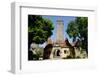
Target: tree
[
  {"x": 39, "y": 29},
  {"x": 78, "y": 29},
  {"x": 72, "y": 30}
]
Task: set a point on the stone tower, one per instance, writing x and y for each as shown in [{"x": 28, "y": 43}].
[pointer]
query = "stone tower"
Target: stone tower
[{"x": 59, "y": 31}]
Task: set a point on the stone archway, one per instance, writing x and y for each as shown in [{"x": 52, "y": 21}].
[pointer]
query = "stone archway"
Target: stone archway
[{"x": 58, "y": 52}]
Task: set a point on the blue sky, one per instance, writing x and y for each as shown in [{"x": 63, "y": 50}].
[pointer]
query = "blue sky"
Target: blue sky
[{"x": 66, "y": 20}]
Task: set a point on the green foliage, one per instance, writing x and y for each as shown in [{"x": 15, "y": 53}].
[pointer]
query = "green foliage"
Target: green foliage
[
  {"x": 38, "y": 53},
  {"x": 78, "y": 29},
  {"x": 72, "y": 30},
  {"x": 39, "y": 29}
]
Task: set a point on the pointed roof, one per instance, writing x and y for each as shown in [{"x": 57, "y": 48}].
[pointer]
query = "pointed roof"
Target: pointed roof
[{"x": 68, "y": 43}]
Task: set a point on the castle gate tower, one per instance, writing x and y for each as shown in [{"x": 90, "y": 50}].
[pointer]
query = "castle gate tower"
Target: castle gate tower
[{"x": 59, "y": 31}]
